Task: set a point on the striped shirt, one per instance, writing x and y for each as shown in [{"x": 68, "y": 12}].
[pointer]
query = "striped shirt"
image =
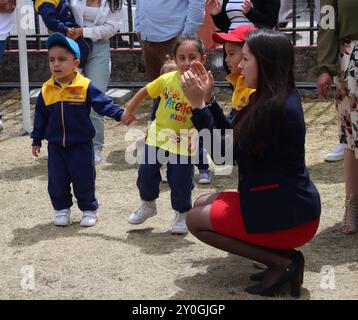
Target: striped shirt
[{"x": 235, "y": 14}]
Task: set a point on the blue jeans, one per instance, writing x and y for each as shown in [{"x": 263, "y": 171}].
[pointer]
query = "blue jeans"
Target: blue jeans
[
  {"x": 98, "y": 70},
  {"x": 2, "y": 48}
]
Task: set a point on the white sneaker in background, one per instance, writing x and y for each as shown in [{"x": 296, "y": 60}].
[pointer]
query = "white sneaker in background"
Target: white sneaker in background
[
  {"x": 97, "y": 155},
  {"x": 1, "y": 126},
  {"x": 205, "y": 177},
  {"x": 178, "y": 225},
  {"x": 62, "y": 217},
  {"x": 163, "y": 173},
  {"x": 145, "y": 211},
  {"x": 89, "y": 219},
  {"x": 337, "y": 154}
]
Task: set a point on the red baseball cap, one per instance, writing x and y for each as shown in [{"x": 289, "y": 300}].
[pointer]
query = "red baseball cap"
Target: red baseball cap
[{"x": 236, "y": 35}]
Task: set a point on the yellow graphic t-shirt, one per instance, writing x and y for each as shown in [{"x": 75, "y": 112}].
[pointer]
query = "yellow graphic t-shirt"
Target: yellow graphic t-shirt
[
  {"x": 172, "y": 128},
  {"x": 241, "y": 95}
]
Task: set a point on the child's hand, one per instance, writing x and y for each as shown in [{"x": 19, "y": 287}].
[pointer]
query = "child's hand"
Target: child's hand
[
  {"x": 127, "y": 117},
  {"x": 70, "y": 33},
  {"x": 78, "y": 32},
  {"x": 36, "y": 150},
  {"x": 213, "y": 7},
  {"x": 246, "y": 6}
]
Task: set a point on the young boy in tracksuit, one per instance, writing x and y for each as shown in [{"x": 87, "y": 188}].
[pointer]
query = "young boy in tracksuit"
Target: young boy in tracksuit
[
  {"x": 62, "y": 118},
  {"x": 58, "y": 17}
]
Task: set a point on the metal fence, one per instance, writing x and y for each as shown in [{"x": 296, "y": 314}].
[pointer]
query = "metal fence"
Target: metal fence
[{"x": 299, "y": 23}]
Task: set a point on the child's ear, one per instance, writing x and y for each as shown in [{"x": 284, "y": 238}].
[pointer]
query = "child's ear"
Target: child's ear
[{"x": 77, "y": 62}]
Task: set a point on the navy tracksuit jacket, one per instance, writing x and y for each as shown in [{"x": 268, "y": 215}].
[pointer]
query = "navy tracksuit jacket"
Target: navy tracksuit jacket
[{"x": 62, "y": 117}]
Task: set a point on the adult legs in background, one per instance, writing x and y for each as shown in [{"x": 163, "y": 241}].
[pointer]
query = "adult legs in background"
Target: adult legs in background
[
  {"x": 346, "y": 98},
  {"x": 2, "y": 49},
  {"x": 154, "y": 54},
  {"x": 98, "y": 70}
]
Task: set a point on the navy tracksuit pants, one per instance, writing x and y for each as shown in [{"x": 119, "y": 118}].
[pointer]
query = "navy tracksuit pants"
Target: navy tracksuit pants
[
  {"x": 180, "y": 179},
  {"x": 73, "y": 164}
]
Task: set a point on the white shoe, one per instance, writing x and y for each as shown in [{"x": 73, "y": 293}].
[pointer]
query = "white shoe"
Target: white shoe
[
  {"x": 62, "y": 217},
  {"x": 1, "y": 126},
  {"x": 337, "y": 154},
  {"x": 97, "y": 155},
  {"x": 89, "y": 219},
  {"x": 163, "y": 173},
  {"x": 145, "y": 211},
  {"x": 178, "y": 225}
]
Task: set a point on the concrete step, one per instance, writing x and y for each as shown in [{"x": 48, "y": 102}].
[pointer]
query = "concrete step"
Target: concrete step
[
  {"x": 34, "y": 93},
  {"x": 119, "y": 96}
]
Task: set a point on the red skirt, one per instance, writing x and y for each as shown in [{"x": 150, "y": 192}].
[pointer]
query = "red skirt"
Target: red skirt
[{"x": 226, "y": 218}]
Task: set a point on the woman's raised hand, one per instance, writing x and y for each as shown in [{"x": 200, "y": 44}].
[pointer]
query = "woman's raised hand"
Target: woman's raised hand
[
  {"x": 213, "y": 7},
  {"x": 205, "y": 77},
  {"x": 193, "y": 89}
]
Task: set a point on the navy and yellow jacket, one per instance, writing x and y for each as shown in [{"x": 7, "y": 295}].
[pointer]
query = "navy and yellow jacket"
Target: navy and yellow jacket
[
  {"x": 56, "y": 14},
  {"x": 62, "y": 115}
]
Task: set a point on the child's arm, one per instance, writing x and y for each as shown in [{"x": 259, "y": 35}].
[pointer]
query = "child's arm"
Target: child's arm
[
  {"x": 103, "y": 104},
  {"x": 48, "y": 14},
  {"x": 128, "y": 113},
  {"x": 40, "y": 123},
  {"x": 141, "y": 95}
]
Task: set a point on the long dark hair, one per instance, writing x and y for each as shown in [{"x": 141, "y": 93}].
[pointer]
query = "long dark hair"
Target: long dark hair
[
  {"x": 114, "y": 5},
  {"x": 257, "y": 127}
]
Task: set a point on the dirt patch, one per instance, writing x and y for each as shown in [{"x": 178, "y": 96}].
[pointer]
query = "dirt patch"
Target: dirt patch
[{"x": 115, "y": 260}]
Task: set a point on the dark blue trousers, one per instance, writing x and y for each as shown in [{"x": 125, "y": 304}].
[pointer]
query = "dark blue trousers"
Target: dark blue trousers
[
  {"x": 73, "y": 164},
  {"x": 180, "y": 179}
]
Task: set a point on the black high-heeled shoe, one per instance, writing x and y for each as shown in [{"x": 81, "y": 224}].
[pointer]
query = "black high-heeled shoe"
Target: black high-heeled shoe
[
  {"x": 291, "y": 275},
  {"x": 298, "y": 256}
]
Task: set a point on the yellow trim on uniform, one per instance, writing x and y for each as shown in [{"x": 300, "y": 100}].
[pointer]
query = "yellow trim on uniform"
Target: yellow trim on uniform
[
  {"x": 75, "y": 92},
  {"x": 241, "y": 94},
  {"x": 38, "y": 3}
]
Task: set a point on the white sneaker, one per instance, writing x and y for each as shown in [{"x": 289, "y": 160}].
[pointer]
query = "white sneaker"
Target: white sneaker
[
  {"x": 205, "y": 177},
  {"x": 1, "y": 126},
  {"x": 62, "y": 217},
  {"x": 178, "y": 225},
  {"x": 89, "y": 219},
  {"x": 163, "y": 173},
  {"x": 337, "y": 154},
  {"x": 97, "y": 155},
  {"x": 146, "y": 210}
]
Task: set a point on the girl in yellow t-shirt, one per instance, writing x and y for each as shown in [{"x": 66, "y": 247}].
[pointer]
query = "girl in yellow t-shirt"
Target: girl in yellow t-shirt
[{"x": 168, "y": 139}]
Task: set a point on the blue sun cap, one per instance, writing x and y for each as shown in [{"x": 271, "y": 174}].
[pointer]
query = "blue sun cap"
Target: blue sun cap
[{"x": 60, "y": 38}]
